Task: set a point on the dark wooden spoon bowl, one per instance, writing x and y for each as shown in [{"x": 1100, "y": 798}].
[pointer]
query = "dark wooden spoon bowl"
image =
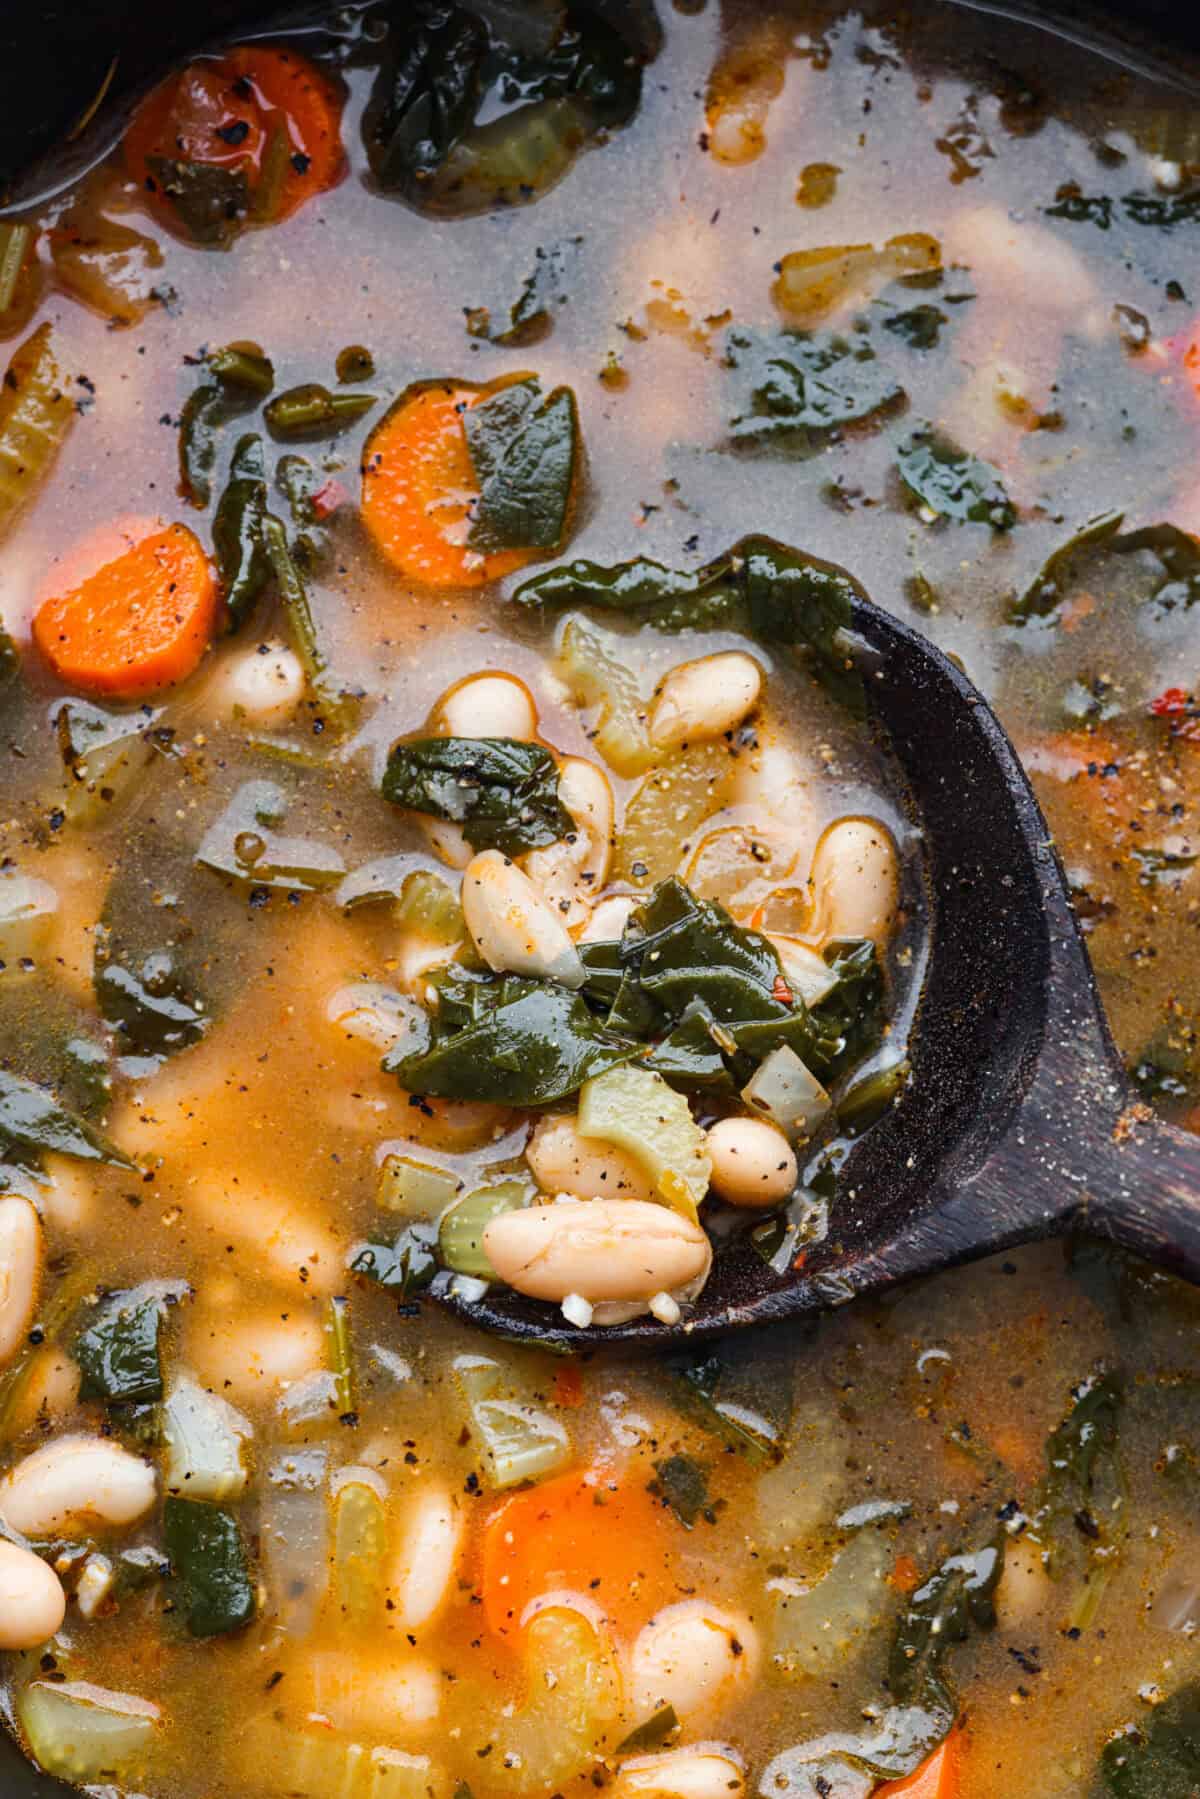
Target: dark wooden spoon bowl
[{"x": 1018, "y": 1122}]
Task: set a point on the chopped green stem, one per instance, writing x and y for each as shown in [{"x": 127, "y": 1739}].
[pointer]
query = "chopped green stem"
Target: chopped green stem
[
  {"x": 16, "y": 241},
  {"x": 341, "y": 1355}
]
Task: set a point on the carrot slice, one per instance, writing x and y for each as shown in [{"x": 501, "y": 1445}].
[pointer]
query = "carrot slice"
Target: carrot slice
[
  {"x": 579, "y": 1533},
  {"x": 418, "y": 489},
  {"x": 936, "y": 1778},
  {"x": 266, "y": 114},
  {"x": 137, "y": 620}
]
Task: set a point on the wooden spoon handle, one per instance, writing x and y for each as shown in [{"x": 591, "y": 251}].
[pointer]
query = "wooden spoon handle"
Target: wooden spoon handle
[{"x": 1145, "y": 1193}]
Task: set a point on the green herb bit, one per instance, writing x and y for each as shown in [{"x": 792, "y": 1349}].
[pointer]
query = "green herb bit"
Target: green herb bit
[
  {"x": 242, "y": 559},
  {"x": 211, "y": 1565},
  {"x": 953, "y": 484},
  {"x": 275, "y": 167},
  {"x": 16, "y": 242},
  {"x": 311, "y": 411},
  {"x": 297, "y": 607},
  {"x": 211, "y": 202},
  {"x": 1082, "y": 1472},
  {"x": 236, "y": 378},
  {"x": 1048, "y": 589},
  {"x": 341, "y": 1358},
  {"x": 524, "y": 449},
  {"x": 682, "y": 1484},
  {"x": 503, "y": 793},
  {"x": 657, "y": 1729},
  {"x": 532, "y": 317},
  {"x": 959, "y": 1595}
]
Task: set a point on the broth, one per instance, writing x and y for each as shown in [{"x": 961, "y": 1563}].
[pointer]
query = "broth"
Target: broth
[{"x": 1007, "y": 342}]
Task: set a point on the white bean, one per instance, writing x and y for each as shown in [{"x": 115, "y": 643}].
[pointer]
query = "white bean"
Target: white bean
[
  {"x": 423, "y": 1571},
  {"x": 694, "y": 1657},
  {"x": 511, "y": 925},
  {"x": 585, "y": 1167},
  {"x": 704, "y": 1773},
  {"x": 753, "y": 1164},
  {"x": 28, "y": 912},
  {"x": 260, "y": 687},
  {"x": 569, "y": 872},
  {"x": 601, "y": 1249},
  {"x": 255, "y": 1358},
  {"x": 855, "y": 882},
  {"x": 703, "y": 699},
  {"x": 73, "y": 1485},
  {"x": 370, "y": 1010},
  {"x": 606, "y": 922},
  {"x": 376, "y": 1697},
  {"x": 32, "y": 1601},
  {"x": 20, "y": 1272},
  {"x": 487, "y": 706}
]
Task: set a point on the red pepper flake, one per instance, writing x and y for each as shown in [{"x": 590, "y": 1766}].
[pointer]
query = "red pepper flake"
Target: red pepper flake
[
  {"x": 781, "y": 991},
  {"x": 799, "y": 1261},
  {"x": 328, "y": 498},
  {"x": 1170, "y": 702}
]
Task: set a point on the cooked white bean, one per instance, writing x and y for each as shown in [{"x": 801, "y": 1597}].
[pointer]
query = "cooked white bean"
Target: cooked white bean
[
  {"x": 705, "y": 698},
  {"x": 73, "y": 1485},
  {"x": 511, "y": 925},
  {"x": 20, "y": 1271},
  {"x": 423, "y": 1571},
  {"x": 255, "y": 1358},
  {"x": 567, "y": 873},
  {"x": 693, "y": 1656},
  {"x": 564, "y": 1162},
  {"x": 374, "y": 1697},
  {"x": 855, "y": 881},
  {"x": 47, "y": 1392},
  {"x": 753, "y": 1164},
  {"x": 372, "y": 1011},
  {"x": 487, "y": 706},
  {"x": 606, "y": 922},
  {"x": 28, "y": 912},
  {"x": 260, "y": 687},
  {"x": 601, "y": 1249},
  {"x": 704, "y": 1773},
  {"x": 32, "y": 1601}
]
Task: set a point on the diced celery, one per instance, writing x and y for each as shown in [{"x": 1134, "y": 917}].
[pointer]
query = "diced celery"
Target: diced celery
[
  {"x": 788, "y": 1092},
  {"x": 430, "y": 906},
  {"x": 519, "y": 1441},
  {"x": 205, "y": 1441},
  {"x": 635, "y": 1109},
  {"x": 83, "y": 1732},
  {"x": 360, "y": 1538},
  {"x": 315, "y": 1764},
  {"x": 460, "y": 1237},
  {"x": 668, "y": 808},
  {"x": 415, "y": 1189},
  {"x": 104, "y": 755},
  {"x": 341, "y": 1354},
  {"x": 818, "y": 1627},
  {"x": 294, "y": 1538},
  {"x": 597, "y": 667},
  {"x": 36, "y": 413},
  {"x": 573, "y": 1702}
]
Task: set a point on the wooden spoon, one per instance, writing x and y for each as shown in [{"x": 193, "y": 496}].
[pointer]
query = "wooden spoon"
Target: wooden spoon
[{"x": 1019, "y": 1121}]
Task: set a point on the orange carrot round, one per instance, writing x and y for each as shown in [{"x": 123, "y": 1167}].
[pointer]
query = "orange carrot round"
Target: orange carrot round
[
  {"x": 418, "y": 488},
  {"x": 139, "y": 619},
  {"x": 936, "y": 1778},
  {"x": 580, "y": 1533},
  {"x": 267, "y": 114}
]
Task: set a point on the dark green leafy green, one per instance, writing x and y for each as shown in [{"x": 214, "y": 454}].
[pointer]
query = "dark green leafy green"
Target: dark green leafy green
[
  {"x": 959, "y": 1595},
  {"x": 741, "y": 1392},
  {"x": 919, "y": 327},
  {"x": 868, "y": 1098},
  {"x": 667, "y": 598},
  {"x": 511, "y": 1042},
  {"x": 334, "y": 703},
  {"x": 210, "y": 1565},
  {"x": 32, "y": 1120},
  {"x": 1163, "y": 212},
  {"x": 657, "y": 1729},
  {"x": 1159, "y": 1757},
  {"x": 682, "y": 1484},
  {"x": 404, "y": 1266},
  {"x": 1047, "y": 591},
  {"x": 300, "y": 481},
  {"x": 311, "y": 411},
  {"x": 210, "y": 202},
  {"x": 503, "y": 793},
  {"x": 1173, "y": 561},
  {"x": 804, "y": 386},
  {"x": 242, "y": 559},
  {"x": 523, "y": 449},
  {"x": 429, "y": 90},
  {"x": 1082, "y": 1471},
  {"x": 953, "y": 483},
  {"x": 235, "y": 380},
  {"x": 150, "y": 1003},
  {"x": 118, "y": 1351},
  {"x": 1082, "y": 209}
]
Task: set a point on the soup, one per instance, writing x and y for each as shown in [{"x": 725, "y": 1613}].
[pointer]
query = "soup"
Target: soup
[{"x": 443, "y": 853}]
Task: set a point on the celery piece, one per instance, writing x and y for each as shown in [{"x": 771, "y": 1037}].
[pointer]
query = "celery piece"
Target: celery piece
[
  {"x": 316, "y": 1764},
  {"x": 35, "y": 416},
  {"x": 16, "y": 241},
  {"x": 635, "y": 1109},
  {"x": 597, "y": 667},
  {"x": 415, "y": 1189},
  {"x": 105, "y": 756},
  {"x": 360, "y": 1540},
  {"x": 460, "y": 1236},
  {"x": 667, "y": 809},
  {"x": 205, "y": 1441},
  {"x": 519, "y": 1441},
  {"x": 817, "y": 1627},
  {"x": 568, "y": 1718},
  {"x": 83, "y": 1732},
  {"x": 341, "y": 1355},
  {"x": 245, "y": 844}
]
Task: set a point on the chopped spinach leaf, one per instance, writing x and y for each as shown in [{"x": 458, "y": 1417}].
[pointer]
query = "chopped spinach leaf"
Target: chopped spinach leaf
[
  {"x": 149, "y": 1004},
  {"x": 299, "y": 481},
  {"x": 211, "y": 1565},
  {"x": 404, "y": 1266},
  {"x": 804, "y": 386},
  {"x": 919, "y": 326},
  {"x": 235, "y": 380},
  {"x": 1047, "y": 591},
  {"x": 523, "y": 449},
  {"x": 941, "y": 1612},
  {"x": 528, "y": 1043},
  {"x": 211, "y": 202},
  {"x": 1160, "y": 1758},
  {"x": 682, "y": 1484},
  {"x": 429, "y": 91},
  {"x": 667, "y": 598},
  {"x": 953, "y": 483},
  {"x": 742, "y": 1393},
  {"x": 1082, "y": 209},
  {"x": 1163, "y": 212},
  {"x": 118, "y": 1351},
  {"x": 502, "y": 792},
  {"x": 1081, "y": 1471},
  {"x": 1174, "y": 561},
  {"x": 31, "y": 1120},
  {"x": 242, "y": 559}
]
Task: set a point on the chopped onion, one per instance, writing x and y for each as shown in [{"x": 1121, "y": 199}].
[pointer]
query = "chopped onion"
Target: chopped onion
[
  {"x": 577, "y": 1310},
  {"x": 82, "y": 1732},
  {"x": 205, "y": 1439},
  {"x": 788, "y": 1093}
]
